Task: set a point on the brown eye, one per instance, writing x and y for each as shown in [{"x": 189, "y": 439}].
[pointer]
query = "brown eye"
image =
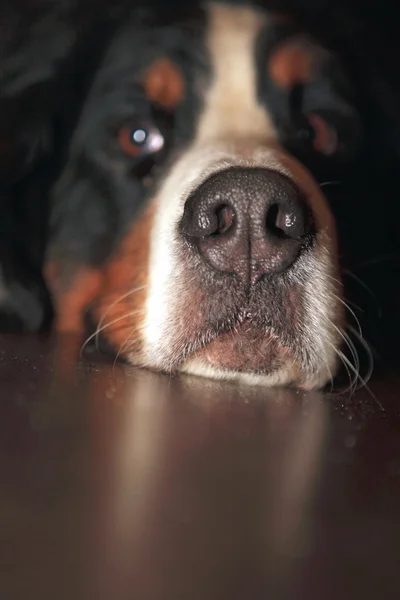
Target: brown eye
[
  {"x": 138, "y": 140},
  {"x": 323, "y": 137}
]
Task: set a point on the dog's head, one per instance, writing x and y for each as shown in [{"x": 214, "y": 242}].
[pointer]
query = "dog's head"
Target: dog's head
[{"x": 190, "y": 218}]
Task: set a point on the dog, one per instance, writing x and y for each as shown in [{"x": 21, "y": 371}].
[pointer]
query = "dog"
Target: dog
[{"x": 202, "y": 174}]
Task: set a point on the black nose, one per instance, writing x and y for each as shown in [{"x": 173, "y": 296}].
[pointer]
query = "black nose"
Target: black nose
[{"x": 251, "y": 222}]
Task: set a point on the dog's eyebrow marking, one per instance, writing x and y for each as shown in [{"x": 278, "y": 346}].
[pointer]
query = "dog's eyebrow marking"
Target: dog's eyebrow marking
[
  {"x": 164, "y": 83},
  {"x": 292, "y": 62}
]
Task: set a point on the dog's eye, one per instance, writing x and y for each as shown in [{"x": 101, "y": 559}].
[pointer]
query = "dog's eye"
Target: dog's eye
[
  {"x": 319, "y": 134},
  {"x": 140, "y": 139}
]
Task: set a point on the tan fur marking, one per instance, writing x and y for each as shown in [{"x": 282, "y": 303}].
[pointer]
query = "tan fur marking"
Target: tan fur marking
[
  {"x": 72, "y": 296},
  {"x": 118, "y": 310},
  {"x": 106, "y": 291},
  {"x": 231, "y": 106},
  {"x": 290, "y": 64},
  {"x": 164, "y": 84}
]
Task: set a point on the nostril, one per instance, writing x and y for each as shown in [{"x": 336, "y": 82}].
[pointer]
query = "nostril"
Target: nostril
[
  {"x": 225, "y": 219},
  {"x": 272, "y": 221},
  {"x": 207, "y": 219},
  {"x": 282, "y": 223},
  {"x": 286, "y": 221}
]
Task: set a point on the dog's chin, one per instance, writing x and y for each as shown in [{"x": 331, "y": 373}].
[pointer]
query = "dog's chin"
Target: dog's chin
[
  {"x": 245, "y": 349},
  {"x": 245, "y": 353},
  {"x": 250, "y": 355}
]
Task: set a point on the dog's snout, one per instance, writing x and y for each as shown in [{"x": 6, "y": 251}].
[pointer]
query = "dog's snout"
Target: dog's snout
[{"x": 248, "y": 221}]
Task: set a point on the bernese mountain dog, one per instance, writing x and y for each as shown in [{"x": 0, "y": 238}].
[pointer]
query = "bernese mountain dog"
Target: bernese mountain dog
[{"x": 205, "y": 186}]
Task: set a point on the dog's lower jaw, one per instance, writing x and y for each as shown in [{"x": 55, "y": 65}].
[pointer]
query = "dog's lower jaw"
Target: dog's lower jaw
[{"x": 290, "y": 373}]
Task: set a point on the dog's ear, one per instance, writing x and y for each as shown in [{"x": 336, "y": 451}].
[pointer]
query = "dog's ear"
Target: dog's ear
[
  {"x": 28, "y": 104},
  {"x": 35, "y": 36},
  {"x": 48, "y": 56},
  {"x": 49, "y": 52},
  {"x": 35, "y": 40},
  {"x": 26, "y": 131}
]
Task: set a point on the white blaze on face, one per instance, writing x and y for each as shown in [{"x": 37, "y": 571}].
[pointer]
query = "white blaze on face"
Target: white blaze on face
[
  {"x": 233, "y": 130},
  {"x": 231, "y": 114},
  {"x": 232, "y": 110}
]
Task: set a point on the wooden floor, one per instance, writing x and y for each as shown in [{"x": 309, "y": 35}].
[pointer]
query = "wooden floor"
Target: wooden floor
[{"x": 124, "y": 484}]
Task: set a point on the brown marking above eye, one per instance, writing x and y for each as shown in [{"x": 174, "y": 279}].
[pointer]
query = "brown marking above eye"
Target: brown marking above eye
[
  {"x": 164, "y": 83},
  {"x": 291, "y": 63}
]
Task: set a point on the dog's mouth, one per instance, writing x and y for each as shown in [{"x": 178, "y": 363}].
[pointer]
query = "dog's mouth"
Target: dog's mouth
[
  {"x": 243, "y": 351},
  {"x": 245, "y": 347}
]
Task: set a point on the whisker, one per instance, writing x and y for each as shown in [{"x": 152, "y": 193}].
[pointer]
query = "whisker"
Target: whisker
[
  {"x": 355, "y": 356},
  {"x": 129, "y": 340},
  {"x": 349, "y": 367},
  {"x": 355, "y": 368},
  {"x": 335, "y": 279},
  {"x": 349, "y": 302},
  {"x": 368, "y": 351},
  {"x": 364, "y": 383},
  {"x": 119, "y": 299},
  {"x": 345, "y": 304},
  {"x": 378, "y": 260},
  {"x": 325, "y": 183},
  {"x": 354, "y": 305},
  {"x": 340, "y": 355},
  {"x": 367, "y": 289},
  {"x": 351, "y": 347},
  {"x": 113, "y": 322},
  {"x": 353, "y": 351}
]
